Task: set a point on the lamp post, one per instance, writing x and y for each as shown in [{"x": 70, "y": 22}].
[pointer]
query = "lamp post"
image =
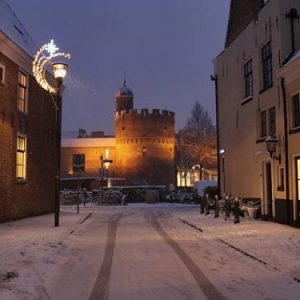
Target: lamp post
[
  {"x": 42, "y": 59},
  {"x": 59, "y": 71},
  {"x": 222, "y": 154},
  {"x": 104, "y": 162}
]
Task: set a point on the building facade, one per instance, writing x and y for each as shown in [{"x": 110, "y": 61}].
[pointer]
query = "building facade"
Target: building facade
[
  {"x": 257, "y": 88},
  {"x": 140, "y": 153},
  {"x": 27, "y": 127}
]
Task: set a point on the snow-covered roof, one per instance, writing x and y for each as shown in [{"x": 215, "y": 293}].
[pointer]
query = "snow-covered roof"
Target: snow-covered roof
[
  {"x": 12, "y": 27},
  {"x": 88, "y": 142},
  {"x": 294, "y": 57}
]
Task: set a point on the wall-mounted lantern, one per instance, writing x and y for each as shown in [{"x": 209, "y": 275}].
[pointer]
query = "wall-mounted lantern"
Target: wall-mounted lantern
[
  {"x": 271, "y": 144},
  {"x": 144, "y": 151}
]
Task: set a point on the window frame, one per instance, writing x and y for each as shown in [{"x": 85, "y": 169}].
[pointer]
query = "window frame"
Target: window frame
[
  {"x": 2, "y": 75},
  {"x": 248, "y": 79},
  {"x": 78, "y": 167},
  {"x": 267, "y": 65},
  {"x": 267, "y": 122},
  {"x": 293, "y": 124},
  {"x": 21, "y": 157},
  {"x": 22, "y": 101}
]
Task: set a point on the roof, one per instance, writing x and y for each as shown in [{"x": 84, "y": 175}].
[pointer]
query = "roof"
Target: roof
[
  {"x": 12, "y": 27},
  {"x": 124, "y": 91},
  {"x": 88, "y": 142}
]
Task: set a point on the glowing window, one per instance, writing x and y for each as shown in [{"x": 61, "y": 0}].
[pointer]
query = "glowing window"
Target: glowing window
[
  {"x": 21, "y": 157},
  {"x": 2, "y": 74},
  {"x": 22, "y": 91}
]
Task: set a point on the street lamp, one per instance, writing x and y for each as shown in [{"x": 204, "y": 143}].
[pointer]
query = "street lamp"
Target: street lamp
[
  {"x": 42, "y": 59},
  {"x": 271, "y": 144},
  {"x": 104, "y": 162},
  {"x": 222, "y": 155},
  {"x": 60, "y": 72}
]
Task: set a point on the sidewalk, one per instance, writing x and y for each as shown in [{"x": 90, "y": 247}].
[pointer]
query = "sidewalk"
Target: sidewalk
[
  {"x": 269, "y": 243},
  {"x": 31, "y": 248}
]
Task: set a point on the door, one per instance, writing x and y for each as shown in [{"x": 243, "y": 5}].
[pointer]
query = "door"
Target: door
[
  {"x": 269, "y": 189},
  {"x": 298, "y": 187}
]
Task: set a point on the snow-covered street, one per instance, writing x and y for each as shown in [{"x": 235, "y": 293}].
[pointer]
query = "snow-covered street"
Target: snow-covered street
[{"x": 147, "y": 251}]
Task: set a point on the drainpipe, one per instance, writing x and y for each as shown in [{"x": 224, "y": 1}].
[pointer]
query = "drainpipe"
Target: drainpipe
[
  {"x": 289, "y": 212},
  {"x": 215, "y": 79}
]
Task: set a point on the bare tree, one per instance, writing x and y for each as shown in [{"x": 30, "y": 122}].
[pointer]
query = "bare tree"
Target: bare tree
[{"x": 197, "y": 140}]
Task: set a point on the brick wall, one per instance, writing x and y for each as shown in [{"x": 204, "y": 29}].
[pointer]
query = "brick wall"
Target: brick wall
[{"x": 35, "y": 195}]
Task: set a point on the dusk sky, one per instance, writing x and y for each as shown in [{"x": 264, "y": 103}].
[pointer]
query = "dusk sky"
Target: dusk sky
[{"x": 166, "y": 48}]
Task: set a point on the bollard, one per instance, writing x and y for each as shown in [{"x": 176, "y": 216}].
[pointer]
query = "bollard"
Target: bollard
[
  {"x": 227, "y": 208},
  {"x": 236, "y": 211},
  {"x": 202, "y": 205},
  {"x": 217, "y": 208},
  {"x": 207, "y": 204}
]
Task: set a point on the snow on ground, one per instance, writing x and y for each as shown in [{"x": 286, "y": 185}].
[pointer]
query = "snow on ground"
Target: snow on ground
[{"x": 249, "y": 260}]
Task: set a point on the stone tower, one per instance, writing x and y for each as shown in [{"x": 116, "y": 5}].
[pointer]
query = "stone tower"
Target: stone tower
[
  {"x": 241, "y": 14},
  {"x": 124, "y": 98},
  {"x": 145, "y": 142}
]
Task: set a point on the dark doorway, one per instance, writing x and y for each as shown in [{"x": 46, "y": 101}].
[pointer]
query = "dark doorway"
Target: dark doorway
[
  {"x": 298, "y": 187},
  {"x": 269, "y": 189}
]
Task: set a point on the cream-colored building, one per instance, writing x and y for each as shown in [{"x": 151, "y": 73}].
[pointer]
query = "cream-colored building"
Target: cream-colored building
[{"x": 258, "y": 83}]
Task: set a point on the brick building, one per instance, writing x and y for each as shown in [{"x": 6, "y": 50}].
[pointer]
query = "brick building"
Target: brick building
[
  {"x": 27, "y": 127},
  {"x": 142, "y": 150}
]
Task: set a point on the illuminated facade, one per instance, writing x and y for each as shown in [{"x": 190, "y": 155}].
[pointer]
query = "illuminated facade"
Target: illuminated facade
[
  {"x": 257, "y": 78},
  {"x": 27, "y": 127},
  {"x": 142, "y": 150}
]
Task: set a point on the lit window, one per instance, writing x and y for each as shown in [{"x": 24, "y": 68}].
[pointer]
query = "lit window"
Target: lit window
[
  {"x": 2, "y": 74},
  {"x": 267, "y": 122},
  {"x": 78, "y": 163},
  {"x": 296, "y": 111},
  {"x": 248, "y": 79},
  {"x": 22, "y": 92},
  {"x": 266, "y": 57},
  {"x": 21, "y": 157}
]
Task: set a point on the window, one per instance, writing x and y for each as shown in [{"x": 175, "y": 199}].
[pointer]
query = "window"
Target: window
[
  {"x": 2, "y": 74},
  {"x": 280, "y": 179},
  {"x": 266, "y": 56},
  {"x": 21, "y": 157},
  {"x": 22, "y": 92},
  {"x": 248, "y": 79},
  {"x": 78, "y": 163},
  {"x": 296, "y": 111},
  {"x": 267, "y": 122}
]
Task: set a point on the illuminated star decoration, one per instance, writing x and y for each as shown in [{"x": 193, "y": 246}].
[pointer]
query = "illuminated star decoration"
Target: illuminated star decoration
[
  {"x": 41, "y": 62},
  {"x": 51, "y": 48}
]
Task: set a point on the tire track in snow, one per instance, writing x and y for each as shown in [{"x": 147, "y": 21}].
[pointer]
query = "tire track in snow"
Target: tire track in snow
[
  {"x": 99, "y": 291},
  {"x": 206, "y": 286}
]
